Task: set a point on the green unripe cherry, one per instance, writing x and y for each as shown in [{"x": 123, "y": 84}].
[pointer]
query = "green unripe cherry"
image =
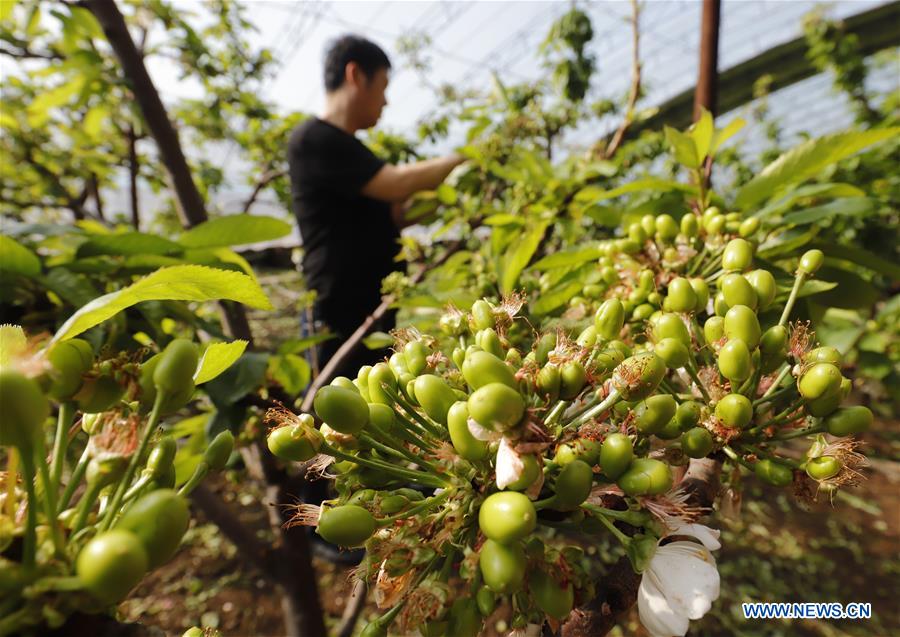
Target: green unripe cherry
[
  {"x": 696, "y": 442},
  {"x": 466, "y": 445},
  {"x": 820, "y": 380},
  {"x": 738, "y": 255},
  {"x": 749, "y": 227},
  {"x": 507, "y": 517},
  {"x": 616, "y": 454},
  {"x": 734, "y": 411},
  {"x": 435, "y": 396},
  {"x": 573, "y": 486},
  {"x": 572, "y": 379},
  {"x": 496, "y": 406},
  {"x": 773, "y": 346},
  {"x": 343, "y": 410},
  {"x": 670, "y": 325},
  {"x": 666, "y": 228},
  {"x": 811, "y": 261},
  {"x": 176, "y": 367},
  {"x": 673, "y": 352},
  {"x": 763, "y": 283},
  {"x": 688, "y": 414},
  {"x": 824, "y": 355},
  {"x": 734, "y": 361},
  {"x": 736, "y": 290},
  {"x": 847, "y": 421},
  {"x": 638, "y": 376},
  {"x": 701, "y": 290},
  {"x": 774, "y": 473},
  {"x": 823, "y": 467},
  {"x": 609, "y": 319},
  {"x": 646, "y": 476},
  {"x": 348, "y": 525},
  {"x": 25, "y": 408},
  {"x": 690, "y": 226},
  {"x": 70, "y": 360},
  {"x": 502, "y": 566},
  {"x": 714, "y": 329},
  {"x": 681, "y": 295},
  {"x": 741, "y": 323},
  {"x": 653, "y": 414}
]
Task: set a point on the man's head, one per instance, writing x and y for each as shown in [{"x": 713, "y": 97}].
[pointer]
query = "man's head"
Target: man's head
[{"x": 356, "y": 71}]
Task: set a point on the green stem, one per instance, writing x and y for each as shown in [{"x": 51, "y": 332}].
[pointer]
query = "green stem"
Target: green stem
[
  {"x": 556, "y": 412},
  {"x": 634, "y": 518},
  {"x": 698, "y": 261},
  {"x": 778, "y": 394},
  {"x": 123, "y": 485},
  {"x": 137, "y": 487},
  {"x": 75, "y": 479},
  {"x": 29, "y": 549},
  {"x": 196, "y": 478},
  {"x": 749, "y": 387},
  {"x": 425, "y": 505},
  {"x": 407, "y": 474},
  {"x": 399, "y": 452},
  {"x": 799, "y": 433},
  {"x": 66, "y": 412},
  {"x": 12, "y": 471},
  {"x": 798, "y": 283},
  {"x": 784, "y": 372},
  {"x": 607, "y": 403},
  {"x": 597, "y": 513},
  {"x": 546, "y": 503},
  {"x": 410, "y": 432},
  {"x": 86, "y": 504},
  {"x": 49, "y": 496},
  {"x": 736, "y": 458},
  {"x": 430, "y": 427},
  {"x": 696, "y": 378},
  {"x": 668, "y": 388}
]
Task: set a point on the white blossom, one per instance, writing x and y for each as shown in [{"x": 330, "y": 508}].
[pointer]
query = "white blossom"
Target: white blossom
[
  {"x": 509, "y": 464},
  {"x": 681, "y": 582}
]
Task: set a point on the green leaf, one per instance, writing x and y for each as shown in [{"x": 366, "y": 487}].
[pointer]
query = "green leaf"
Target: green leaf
[
  {"x": 860, "y": 257},
  {"x": 446, "y": 194},
  {"x": 857, "y": 206},
  {"x": 178, "y": 283},
  {"x": 245, "y": 376},
  {"x": 290, "y": 371},
  {"x": 702, "y": 134},
  {"x": 38, "y": 111},
  {"x": 94, "y": 121},
  {"x": 74, "y": 289},
  {"x": 503, "y": 219},
  {"x": 17, "y": 259},
  {"x": 815, "y": 286},
  {"x": 851, "y": 291},
  {"x": 806, "y": 160},
  {"x": 683, "y": 146},
  {"x": 297, "y": 345},
  {"x": 549, "y": 301},
  {"x": 6, "y": 9},
  {"x": 217, "y": 358},
  {"x": 595, "y": 194},
  {"x": 784, "y": 243},
  {"x": 573, "y": 256},
  {"x": 127, "y": 243},
  {"x": 234, "y": 230},
  {"x": 819, "y": 191},
  {"x": 378, "y": 340},
  {"x": 516, "y": 260},
  {"x": 12, "y": 343},
  {"x": 726, "y": 133}
]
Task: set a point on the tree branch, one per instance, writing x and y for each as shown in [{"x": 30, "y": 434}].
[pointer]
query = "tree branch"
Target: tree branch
[
  {"x": 635, "y": 90},
  {"x": 24, "y": 53},
  {"x": 267, "y": 177},
  {"x": 133, "y": 170}
]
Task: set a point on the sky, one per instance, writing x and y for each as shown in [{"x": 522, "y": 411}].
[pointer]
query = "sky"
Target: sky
[{"x": 472, "y": 39}]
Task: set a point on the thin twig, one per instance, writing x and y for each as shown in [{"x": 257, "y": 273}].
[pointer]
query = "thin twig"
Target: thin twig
[{"x": 635, "y": 90}]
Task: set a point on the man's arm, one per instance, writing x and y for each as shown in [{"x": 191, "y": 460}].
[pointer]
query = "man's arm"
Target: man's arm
[{"x": 398, "y": 183}]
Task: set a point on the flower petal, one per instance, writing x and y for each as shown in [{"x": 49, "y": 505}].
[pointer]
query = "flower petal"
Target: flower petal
[
  {"x": 686, "y": 575},
  {"x": 509, "y": 465},
  {"x": 481, "y": 433},
  {"x": 655, "y": 613},
  {"x": 707, "y": 536}
]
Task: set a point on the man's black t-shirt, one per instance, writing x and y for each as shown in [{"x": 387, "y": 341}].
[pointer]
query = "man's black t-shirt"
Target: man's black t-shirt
[{"x": 349, "y": 240}]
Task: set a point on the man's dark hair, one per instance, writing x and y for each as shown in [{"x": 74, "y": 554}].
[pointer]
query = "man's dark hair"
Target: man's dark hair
[{"x": 352, "y": 48}]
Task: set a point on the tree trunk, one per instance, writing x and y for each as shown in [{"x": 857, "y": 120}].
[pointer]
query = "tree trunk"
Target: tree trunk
[{"x": 303, "y": 613}]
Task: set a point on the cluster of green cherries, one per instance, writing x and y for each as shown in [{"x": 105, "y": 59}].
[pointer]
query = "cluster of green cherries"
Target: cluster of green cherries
[
  {"x": 456, "y": 457},
  {"x": 93, "y": 527}
]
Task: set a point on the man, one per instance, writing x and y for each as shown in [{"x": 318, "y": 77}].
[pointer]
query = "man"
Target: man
[{"x": 349, "y": 203}]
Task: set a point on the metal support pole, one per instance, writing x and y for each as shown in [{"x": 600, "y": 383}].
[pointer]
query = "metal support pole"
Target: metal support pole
[{"x": 707, "y": 78}]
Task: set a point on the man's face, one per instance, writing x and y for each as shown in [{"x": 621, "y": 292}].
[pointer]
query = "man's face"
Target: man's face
[{"x": 370, "y": 97}]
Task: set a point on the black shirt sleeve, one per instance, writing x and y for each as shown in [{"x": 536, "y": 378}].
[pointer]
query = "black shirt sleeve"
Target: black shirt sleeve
[{"x": 330, "y": 159}]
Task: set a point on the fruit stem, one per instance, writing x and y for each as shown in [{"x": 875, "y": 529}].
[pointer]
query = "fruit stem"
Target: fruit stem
[
  {"x": 410, "y": 432},
  {"x": 66, "y": 412},
  {"x": 556, "y": 412},
  {"x": 123, "y": 485},
  {"x": 696, "y": 378},
  {"x": 426, "y": 504},
  {"x": 429, "y": 426},
  {"x": 75, "y": 479},
  {"x": 196, "y": 478},
  {"x": 607, "y": 403},
  {"x": 12, "y": 468},
  {"x": 781, "y": 376},
  {"x": 634, "y": 518},
  {"x": 408, "y": 474},
  {"x": 736, "y": 458},
  {"x": 49, "y": 495},
  {"x": 399, "y": 452},
  {"x": 136, "y": 488},
  {"x": 600, "y": 514},
  {"x": 799, "y": 433},
  {"x": 770, "y": 397},
  {"x": 798, "y": 282},
  {"x": 29, "y": 550}
]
